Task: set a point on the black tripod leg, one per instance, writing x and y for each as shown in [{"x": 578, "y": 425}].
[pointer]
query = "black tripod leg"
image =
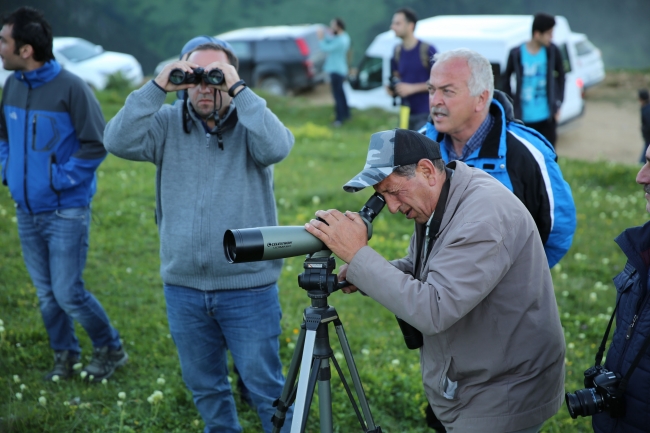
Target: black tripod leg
[
  {"x": 356, "y": 380},
  {"x": 288, "y": 391}
]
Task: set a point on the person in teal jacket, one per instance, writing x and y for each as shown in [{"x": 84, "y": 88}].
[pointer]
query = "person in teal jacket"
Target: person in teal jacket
[{"x": 337, "y": 44}]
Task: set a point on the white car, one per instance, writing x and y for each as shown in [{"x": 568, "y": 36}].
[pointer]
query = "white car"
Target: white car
[
  {"x": 589, "y": 62},
  {"x": 91, "y": 62}
]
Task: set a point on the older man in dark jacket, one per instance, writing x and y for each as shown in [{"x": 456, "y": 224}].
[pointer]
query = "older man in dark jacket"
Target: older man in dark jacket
[{"x": 632, "y": 326}]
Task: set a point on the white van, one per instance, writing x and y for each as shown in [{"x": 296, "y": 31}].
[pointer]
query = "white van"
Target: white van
[{"x": 491, "y": 35}]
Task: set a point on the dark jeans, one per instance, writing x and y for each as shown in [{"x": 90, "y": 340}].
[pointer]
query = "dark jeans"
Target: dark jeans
[
  {"x": 548, "y": 128},
  {"x": 55, "y": 245},
  {"x": 341, "y": 109},
  {"x": 246, "y": 322}
]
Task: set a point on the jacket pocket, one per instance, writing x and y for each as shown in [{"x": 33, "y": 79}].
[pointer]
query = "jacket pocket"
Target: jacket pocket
[
  {"x": 448, "y": 388},
  {"x": 50, "y": 167},
  {"x": 44, "y": 133}
]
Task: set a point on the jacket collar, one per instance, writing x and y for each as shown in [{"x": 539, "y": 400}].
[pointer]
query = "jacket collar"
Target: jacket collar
[
  {"x": 41, "y": 76},
  {"x": 635, "y": 244}
]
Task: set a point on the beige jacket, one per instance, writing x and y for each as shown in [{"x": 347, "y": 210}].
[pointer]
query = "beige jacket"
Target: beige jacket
[{"x": 493, "y": 354}]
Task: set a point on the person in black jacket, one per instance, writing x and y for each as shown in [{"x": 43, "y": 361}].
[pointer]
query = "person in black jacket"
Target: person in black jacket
[
  {"x": 644, "y": 100},
  {"x": 539, "y": 73}
]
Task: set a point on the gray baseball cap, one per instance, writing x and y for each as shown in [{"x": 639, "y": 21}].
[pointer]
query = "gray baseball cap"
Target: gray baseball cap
[{"x": 390, "y": 149}]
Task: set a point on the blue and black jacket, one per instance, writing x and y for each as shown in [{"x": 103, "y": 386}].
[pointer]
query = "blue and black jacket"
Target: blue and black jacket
[
  {"x": 632, "y": 329},
  {"x": 522, "y": 160},
  {"x": 51, "y": 134}
]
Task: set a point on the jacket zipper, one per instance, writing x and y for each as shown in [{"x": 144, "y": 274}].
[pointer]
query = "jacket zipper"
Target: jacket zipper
[
  {"x": 26, "y": 150},
  {"x": 34, "y": 132},
  {"x": 53, "y": 161},
  {"x": 639, "y": 306},
  {"x": 630, "y": 329}
]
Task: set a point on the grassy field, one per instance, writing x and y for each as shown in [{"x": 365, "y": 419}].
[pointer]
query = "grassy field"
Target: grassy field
[{"x": 122, "y": 271}]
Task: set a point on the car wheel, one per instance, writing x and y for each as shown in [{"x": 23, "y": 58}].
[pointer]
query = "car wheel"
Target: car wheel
[{"x": 272, "y": 85}]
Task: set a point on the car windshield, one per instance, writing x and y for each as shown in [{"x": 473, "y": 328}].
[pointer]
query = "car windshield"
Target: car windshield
[{"x": 80, "y": 51}]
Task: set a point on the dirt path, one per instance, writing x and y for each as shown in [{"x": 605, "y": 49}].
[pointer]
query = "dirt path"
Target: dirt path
[{"x": 609, "y": 131}]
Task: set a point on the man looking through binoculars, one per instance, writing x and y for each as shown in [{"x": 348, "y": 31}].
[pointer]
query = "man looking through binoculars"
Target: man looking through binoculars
[
  {"x": 475, "y": 284},
  {"x": 214, "y": 153}
]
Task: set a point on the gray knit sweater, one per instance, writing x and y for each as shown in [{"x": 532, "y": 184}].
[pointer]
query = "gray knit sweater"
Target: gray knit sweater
[{"x": 202, "y": 190}]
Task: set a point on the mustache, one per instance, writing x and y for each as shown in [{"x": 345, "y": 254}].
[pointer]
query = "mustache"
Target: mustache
[{"x": 439, "y": 110}]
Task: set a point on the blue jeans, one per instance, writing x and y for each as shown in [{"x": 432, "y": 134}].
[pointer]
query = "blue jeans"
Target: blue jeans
[
  {"x": 341, "y": 109},
  {"x": 54, "y": 246},
  {"x": 204, "y": 325}
]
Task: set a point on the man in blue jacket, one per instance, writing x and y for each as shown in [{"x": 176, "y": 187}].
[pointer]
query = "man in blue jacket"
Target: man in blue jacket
[
  {"x": 632, "y": 325},
  {"x": 474, "y": 123},
  {"x": 51, "y": 131}
]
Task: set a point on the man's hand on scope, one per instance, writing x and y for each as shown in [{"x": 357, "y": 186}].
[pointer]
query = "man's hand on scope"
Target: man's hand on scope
[{"x": 344, "y": 234}]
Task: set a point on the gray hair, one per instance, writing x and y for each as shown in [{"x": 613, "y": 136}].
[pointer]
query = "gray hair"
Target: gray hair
[
  {"x": 481, "y": 76},
  {"x": 408, "y": 171}
]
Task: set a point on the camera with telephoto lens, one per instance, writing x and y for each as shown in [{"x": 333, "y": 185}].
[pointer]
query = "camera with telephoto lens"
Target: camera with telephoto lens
[
  {"x": 178, "y": 76},
  {"x": 600, "y": 395}
]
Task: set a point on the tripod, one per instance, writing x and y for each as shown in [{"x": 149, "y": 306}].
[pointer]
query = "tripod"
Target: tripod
[{"x": 313, "y": 354}]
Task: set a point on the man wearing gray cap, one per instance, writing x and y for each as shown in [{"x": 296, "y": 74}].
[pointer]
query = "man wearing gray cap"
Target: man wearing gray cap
[{"x": 475, "y": 284}]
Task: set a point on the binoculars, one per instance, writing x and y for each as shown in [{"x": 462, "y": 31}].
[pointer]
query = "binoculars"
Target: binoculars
[{"x": 178, "y": 76}]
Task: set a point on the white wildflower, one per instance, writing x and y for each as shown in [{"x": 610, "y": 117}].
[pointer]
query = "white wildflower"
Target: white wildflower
[
  {"x": 16, "y": 378},
  {"x": 19, "y": 396},
  {"x": 83, "y": 374},
  {"x": 121, "y": 395},
  {"x": 155, "y": 398},
  {"x": 160, "y": 381},
  {"x": 77, "y": 366},
  {"x": 42, "y": 401},
  {"x": 365, "y": 352},
  {"x": 395, "y": 362},
  {"x": 55, "y": 378}
]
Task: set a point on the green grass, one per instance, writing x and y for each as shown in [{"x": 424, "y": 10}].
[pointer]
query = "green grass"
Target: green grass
[{"x": 122, "y": 271}]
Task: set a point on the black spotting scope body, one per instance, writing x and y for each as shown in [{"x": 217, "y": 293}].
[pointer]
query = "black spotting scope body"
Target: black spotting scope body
[{"x": 278, "y": 242}]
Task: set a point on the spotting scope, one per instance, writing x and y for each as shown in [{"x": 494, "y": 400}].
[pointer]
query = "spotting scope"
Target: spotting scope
[{"x": 279, "y": 242}]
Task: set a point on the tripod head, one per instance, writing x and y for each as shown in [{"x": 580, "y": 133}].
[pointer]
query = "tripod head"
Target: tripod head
[{"x": 317, "y": 278}]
